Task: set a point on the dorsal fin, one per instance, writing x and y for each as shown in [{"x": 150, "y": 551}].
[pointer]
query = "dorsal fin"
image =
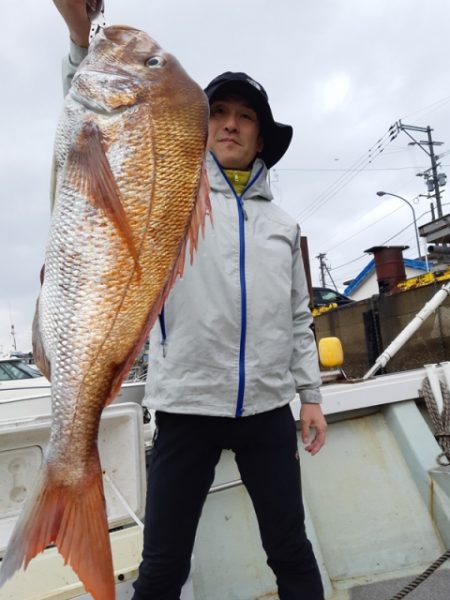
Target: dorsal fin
[
  {"x": 98, "y": 181},
  {"x": 202, "y": 209}
]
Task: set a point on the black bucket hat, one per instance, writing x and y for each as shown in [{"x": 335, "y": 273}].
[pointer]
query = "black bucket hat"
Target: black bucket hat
[{"x": 276, "y": 136}]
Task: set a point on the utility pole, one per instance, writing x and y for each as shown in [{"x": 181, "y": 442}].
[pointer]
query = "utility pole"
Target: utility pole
[
  {"x": 434, "y": 164},
  {"x": 434, "y": 170},
  {"x": 322, "y": 266},
  {"x": 329, "y": 275}
]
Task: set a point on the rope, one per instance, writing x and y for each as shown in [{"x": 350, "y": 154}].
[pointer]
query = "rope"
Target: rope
[
  {"x": 421, "y": 578},
  {"x": 122, "y": 499},
  {"x": 441, "y": 421}
]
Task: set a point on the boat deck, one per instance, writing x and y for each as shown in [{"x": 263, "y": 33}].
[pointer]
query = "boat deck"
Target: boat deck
[
  {"x": 377, "y": 513},
  {"x": 435, "y": 588}
]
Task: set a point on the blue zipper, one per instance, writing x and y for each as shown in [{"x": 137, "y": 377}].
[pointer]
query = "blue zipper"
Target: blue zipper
[{"x": 242, "y": 218}]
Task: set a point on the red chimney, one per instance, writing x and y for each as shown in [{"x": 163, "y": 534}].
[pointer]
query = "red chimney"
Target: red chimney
[{"x": 389, "y": 266}]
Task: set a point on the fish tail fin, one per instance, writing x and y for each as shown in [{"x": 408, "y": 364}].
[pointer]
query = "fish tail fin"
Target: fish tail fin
[{"x": 74, "y": 519}]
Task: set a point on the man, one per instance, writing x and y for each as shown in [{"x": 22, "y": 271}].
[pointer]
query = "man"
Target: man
[{"x": 232, "y": 347}]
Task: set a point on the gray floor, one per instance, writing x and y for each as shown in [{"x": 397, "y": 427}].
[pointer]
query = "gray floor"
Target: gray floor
[{"x": 436, "y": 587}]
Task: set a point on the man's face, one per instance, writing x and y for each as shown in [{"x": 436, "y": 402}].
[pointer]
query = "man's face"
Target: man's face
[{"x": 234, "y": 133}]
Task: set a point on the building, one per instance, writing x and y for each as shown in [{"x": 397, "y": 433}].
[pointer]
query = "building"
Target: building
[{"x": 365, "y": 284}]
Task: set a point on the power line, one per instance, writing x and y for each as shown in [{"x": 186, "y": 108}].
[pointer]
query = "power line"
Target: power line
[
  {"x": 348, "y": 170},
  {"x": 367, "y": 158},
  {"x": 370, "y": 224},
  {"x": 349, "y": 262},
  {"x": 386, "y": 241},
  {"x": 429, "y": 109},
  {"x": 365, "y": 228},
  {"x": 360, "y": 165},
  {"x": 382, "y": 244},
  {"x": 397, "y": 234}
]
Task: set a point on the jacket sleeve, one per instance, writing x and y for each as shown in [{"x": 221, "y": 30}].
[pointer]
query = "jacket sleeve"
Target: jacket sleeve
[
  {"x": 71, "y": 63},
  {"x": 304, "y": 361}
]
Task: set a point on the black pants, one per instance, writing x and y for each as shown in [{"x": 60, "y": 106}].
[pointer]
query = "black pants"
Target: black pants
[{"x": 186, "y": 451}]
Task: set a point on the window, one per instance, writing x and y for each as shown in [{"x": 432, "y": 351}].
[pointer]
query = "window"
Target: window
[
  {"x": 16, "y": 370},
  {"x": 325, "y": 296}
]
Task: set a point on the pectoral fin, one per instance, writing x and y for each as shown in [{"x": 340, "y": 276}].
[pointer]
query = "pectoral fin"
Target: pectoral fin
[{"x": 98, "y": 181}]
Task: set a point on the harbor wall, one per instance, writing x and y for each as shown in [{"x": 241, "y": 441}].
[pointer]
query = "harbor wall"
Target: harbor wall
[{"x": 367, "y": 327}]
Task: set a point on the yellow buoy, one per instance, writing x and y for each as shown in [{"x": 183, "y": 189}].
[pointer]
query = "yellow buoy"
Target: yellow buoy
[{"x": 331, "y": 354}]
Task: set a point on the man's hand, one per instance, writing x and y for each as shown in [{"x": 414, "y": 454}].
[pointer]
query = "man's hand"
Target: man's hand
[
  {"x": 74, "y": 13},
  {"x": 311, "y": 417}
]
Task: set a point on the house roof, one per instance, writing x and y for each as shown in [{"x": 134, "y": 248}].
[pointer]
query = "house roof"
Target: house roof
[{"x": 419, "y": 265}]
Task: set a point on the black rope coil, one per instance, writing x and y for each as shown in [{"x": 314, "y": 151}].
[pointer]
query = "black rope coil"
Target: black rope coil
[{"x": 440, "y": 420}]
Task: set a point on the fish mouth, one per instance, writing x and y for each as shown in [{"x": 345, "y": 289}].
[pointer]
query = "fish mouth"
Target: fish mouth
[{"x": 106, "y": 75}]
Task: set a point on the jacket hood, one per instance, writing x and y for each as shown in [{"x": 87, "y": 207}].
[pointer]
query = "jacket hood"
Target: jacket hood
[{"x": 258, "y": 190}]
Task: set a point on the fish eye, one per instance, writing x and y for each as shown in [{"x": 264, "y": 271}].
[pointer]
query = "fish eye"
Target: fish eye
[{"x": 155, "y": 61}]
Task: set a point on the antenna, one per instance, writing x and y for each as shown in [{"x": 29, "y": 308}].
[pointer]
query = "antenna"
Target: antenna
[
  {"x": 13, "y": 333},
  {"x": 13, "y": 337}
]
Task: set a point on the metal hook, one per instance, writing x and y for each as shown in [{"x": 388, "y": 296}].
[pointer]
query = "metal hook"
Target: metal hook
[{"x": 96, "y": 14}]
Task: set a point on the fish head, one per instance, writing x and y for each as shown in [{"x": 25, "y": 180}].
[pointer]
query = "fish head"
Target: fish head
[{"x": 125, "y": 67}]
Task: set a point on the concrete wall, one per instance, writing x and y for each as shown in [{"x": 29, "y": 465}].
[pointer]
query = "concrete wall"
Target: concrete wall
[{"x": 385, "y": 317}]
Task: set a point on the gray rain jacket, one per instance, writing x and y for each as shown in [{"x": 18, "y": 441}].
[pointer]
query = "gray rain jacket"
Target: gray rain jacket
[{"x": 234, "y": 338}]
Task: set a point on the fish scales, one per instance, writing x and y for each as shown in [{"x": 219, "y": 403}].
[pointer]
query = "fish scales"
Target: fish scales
[{"x": 130, "y": 188}]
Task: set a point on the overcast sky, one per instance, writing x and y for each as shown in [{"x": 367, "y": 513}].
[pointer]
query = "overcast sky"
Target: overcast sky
[{"x": 340, "y": 71}]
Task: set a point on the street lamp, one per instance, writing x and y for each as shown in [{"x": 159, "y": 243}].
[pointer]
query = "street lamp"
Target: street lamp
[{"x": 419, "y": 255}]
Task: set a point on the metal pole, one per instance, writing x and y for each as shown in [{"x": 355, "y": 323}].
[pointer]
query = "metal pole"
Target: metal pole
[
  {"x": 414, "y": 217},
  {"x": 225, "y": 486}
]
